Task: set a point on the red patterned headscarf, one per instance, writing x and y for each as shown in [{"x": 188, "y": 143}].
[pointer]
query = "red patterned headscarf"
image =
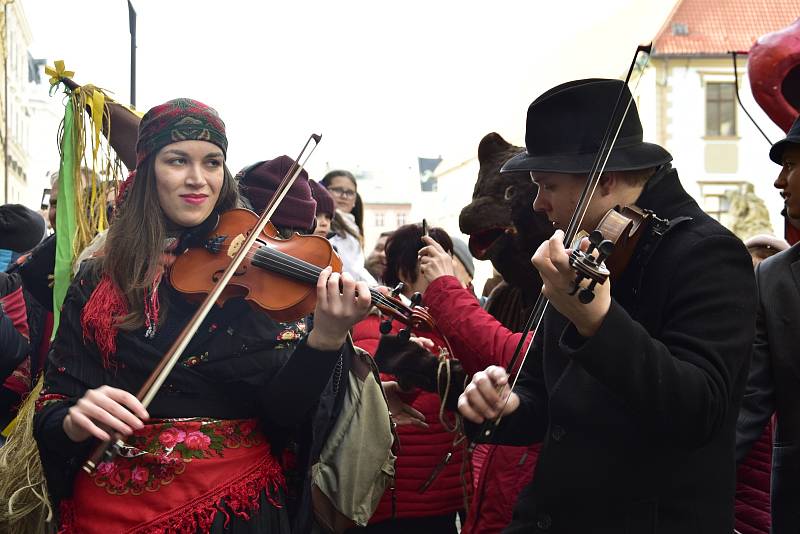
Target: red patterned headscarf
[{"x": 182, "y": 119}]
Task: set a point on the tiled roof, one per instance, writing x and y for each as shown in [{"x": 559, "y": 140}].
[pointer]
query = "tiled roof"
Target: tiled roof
[{"x": 711, "y": 27}]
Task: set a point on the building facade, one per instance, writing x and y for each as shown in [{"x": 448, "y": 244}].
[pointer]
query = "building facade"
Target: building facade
[
  {"x": 16, "y": 38},
  {"x": 692, "y": 102},
  {"x": 29, "y": 115}
]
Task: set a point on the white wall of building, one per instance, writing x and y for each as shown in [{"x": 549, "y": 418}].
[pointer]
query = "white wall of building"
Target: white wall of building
[
  {"x": 672, "y": 108},
  {"x": 456, "y": 181},
  {"x": 17, "y": 39},
  {"x": 33, "y": 119},
  {"x": 46, "y": 114}
]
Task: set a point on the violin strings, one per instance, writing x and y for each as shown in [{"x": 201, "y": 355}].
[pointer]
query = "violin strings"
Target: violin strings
[
  {"x": 308, "y": 272},
  {"x": 284, "y": 264},
  {"x": 292, "y": 267}
]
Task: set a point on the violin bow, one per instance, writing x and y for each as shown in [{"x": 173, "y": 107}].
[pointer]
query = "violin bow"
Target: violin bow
[
  {"x": 595, "y": 173},
  {"x": 106, "y": 449}
]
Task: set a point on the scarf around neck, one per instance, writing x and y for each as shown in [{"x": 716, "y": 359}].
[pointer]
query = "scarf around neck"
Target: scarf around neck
[{"x": 108, "y": 306}]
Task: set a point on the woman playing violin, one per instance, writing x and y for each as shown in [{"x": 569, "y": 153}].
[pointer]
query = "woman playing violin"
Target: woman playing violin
[{"x": 200, "y": 457}]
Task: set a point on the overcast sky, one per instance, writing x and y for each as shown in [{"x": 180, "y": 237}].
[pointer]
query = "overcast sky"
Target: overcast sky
[{"x": 383, "y": 82}]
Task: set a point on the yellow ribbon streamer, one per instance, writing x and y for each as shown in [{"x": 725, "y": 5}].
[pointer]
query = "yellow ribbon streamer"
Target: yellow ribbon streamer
[{"x": 97, "y": 106}]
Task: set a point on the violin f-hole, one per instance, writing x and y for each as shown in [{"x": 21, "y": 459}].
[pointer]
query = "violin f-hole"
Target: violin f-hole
[{"x": 241, "y": 271}]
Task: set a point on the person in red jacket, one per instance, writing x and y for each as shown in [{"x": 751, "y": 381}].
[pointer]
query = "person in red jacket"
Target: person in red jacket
[
  {"x": 499, "y": 472},
  {"x": 429, "y": 488}
]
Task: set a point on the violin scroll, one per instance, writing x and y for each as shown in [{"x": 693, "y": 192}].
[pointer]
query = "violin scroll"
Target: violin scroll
[
  {"x": 396, "y": 309},
  {"x": 590, "y": 266},
  {"x": 618, "y": 232}
]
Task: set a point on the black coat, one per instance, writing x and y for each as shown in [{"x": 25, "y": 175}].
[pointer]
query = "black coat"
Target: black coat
[
  {"x": 13, "y": 346},
  {"x": 638, "y": 421},
  {"x": 774, "y": 383}
]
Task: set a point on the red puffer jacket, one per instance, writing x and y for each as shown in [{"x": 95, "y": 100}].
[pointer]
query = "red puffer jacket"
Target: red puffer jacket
[
  {"x": 753, "y": 487},
  {"x": 421, "y": 449},
  {"x": 499, "y": 472}
]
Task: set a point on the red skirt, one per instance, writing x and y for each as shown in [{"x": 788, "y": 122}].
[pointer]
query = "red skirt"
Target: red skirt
[{"x": 177, "y": 475}]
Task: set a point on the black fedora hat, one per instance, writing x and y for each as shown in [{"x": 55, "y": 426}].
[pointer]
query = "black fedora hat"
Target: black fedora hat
[
  {"x": 793, "y": 137},
  {"x": 566, "y": 124}
]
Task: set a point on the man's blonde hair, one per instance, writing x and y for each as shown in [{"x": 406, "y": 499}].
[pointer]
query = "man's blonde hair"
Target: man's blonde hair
[{"x": 636, "y": 177}]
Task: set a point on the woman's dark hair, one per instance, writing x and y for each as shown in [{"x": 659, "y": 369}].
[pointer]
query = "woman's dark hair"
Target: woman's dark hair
[
  {"x": 402, "y": 249},
  {"x": 136, "y": 237},
  {"x": 358, "y": 208}
]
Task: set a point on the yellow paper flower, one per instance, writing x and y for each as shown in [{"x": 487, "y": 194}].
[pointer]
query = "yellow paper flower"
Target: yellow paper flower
[{"x": 58, "y": 72}]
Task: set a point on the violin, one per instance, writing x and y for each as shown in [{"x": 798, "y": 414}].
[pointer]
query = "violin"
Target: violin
[
  {"x": 618, "y": 232},
  {"x": 243, "y": 257},
  {"x": 278, "y": 276}
]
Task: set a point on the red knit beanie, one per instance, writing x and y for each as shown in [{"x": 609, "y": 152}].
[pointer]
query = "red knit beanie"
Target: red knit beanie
[
  {"x": 259, "y": 182},
  {"x": 324, "y": 199}
]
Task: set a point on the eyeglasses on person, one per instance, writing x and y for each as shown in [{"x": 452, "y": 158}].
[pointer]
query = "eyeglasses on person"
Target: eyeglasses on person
[{"x": 343, "y": 193}]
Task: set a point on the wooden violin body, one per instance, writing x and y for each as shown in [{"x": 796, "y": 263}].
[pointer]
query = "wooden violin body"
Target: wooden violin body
[{"x": 278, "y": 275}]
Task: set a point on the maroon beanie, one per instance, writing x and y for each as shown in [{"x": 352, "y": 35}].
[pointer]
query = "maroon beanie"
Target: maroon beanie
[
  {"x": 324, "y": 199},
  {"x": 259, "y": 182}
]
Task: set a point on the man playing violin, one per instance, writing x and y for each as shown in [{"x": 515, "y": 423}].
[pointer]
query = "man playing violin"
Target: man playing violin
[{"x": 634, "y": 394}]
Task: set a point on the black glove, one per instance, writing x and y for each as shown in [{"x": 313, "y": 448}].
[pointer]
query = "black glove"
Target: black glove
[{"x": 417, "y": 367}]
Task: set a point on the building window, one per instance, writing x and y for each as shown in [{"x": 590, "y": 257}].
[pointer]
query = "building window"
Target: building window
[
  {"x": 717, "y": 198},
  {"x": 379, "y": 219},
  {"x": 401, "y": 219},
  {"x": 720, "y": 109},
  {"x": 680, "y": 28}
]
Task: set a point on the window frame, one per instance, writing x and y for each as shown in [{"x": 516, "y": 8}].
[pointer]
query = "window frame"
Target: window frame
[{"x": 718, "y": 103}]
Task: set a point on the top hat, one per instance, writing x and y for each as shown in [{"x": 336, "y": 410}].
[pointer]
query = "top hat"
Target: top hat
[
  {"x": 566, "y": 124},
  {"x": 776, "y": 152}
]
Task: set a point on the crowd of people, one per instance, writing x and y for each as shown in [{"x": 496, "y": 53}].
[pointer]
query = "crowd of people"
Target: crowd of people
[{"x": 364, "y": 414}]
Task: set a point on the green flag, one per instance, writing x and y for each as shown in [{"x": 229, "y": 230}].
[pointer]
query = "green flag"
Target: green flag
[{"x": 66, "y": 216}]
